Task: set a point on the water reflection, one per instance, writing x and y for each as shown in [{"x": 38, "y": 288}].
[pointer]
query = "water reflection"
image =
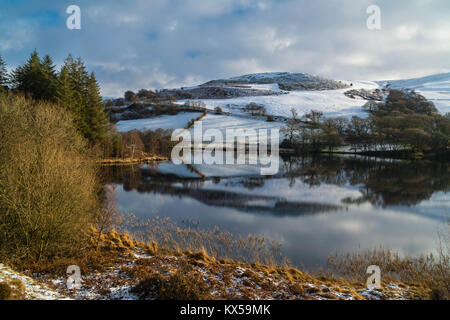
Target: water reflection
[{"x": 315, "y": 206}]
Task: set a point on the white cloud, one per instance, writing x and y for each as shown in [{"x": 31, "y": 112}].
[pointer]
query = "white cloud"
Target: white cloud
[
  {"x": 405, "y": 32},
  {"x": 159, "y": 43}
]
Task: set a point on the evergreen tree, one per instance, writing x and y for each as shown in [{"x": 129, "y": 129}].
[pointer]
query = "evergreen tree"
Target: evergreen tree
[
  {"x": 28, "y": 78},
  {"x": 64, "y": 91},
  {"x": 97, "y": 122},
  {"x": 36, "y": 78},
  {"x": 73, "y": 88},
  {"x": 80, "y": 93},
  {"x": 50, "y": 79},
  {"x": 71, "y": 92},
  {"x": 3, "y": 75}
]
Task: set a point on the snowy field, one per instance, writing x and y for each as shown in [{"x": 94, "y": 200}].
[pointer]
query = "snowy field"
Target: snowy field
[
  {"x": 223, "y": 122},
  {"x": 332, "y": 103},
  {"x": 435, "y": 88},
  {"x": 250, "y": 126},
  {"x": 165, "y": 122}
]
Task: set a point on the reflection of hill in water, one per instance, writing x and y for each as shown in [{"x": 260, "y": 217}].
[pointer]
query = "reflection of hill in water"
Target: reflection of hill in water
[
  {"x": 381, "y": 183},
  {"x": 250, "y": 203}
]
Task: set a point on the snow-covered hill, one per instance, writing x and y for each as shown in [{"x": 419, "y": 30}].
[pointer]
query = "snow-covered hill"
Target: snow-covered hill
[
  {"x": 330, "y": 102},
  {"x": 285, "y": 80},
  {"x": 268, "y": 90},
  {"x": 435, "y": 88}
]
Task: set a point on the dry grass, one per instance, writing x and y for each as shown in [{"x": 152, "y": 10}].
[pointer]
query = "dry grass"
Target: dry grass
[
  {"x": 183, "y": 284},
  {"x": 188, "y": 236},
  {"x": 154, "y": 273},
  {"x": 11, "y": 289},
  {"x": 429, "y": 272},
  {"x": 5, "y": 291}
]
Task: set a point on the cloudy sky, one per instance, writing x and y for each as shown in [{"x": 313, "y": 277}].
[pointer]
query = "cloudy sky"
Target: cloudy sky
[{"x": 133, "y": 44}]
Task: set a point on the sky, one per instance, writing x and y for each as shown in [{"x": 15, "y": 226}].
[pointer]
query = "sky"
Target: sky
[{"x": 155, "y": 44}]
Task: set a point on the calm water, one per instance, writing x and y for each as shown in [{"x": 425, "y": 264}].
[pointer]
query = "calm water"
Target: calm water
[{"x": 314, "y": 206}]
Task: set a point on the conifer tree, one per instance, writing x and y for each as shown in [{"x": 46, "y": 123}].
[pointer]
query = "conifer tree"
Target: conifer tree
[
  {"x": 36, "y": 78},
  {"x": 80, "y": 93},
  {"x": 3, "y": 75},
  {"x": 50, "y": 79},
  {"x": 64, "y": 91},
  {"x": 72, "y": 88},
  {"x": 29, "y": 77},
  {"x": 97, "y": 122}
]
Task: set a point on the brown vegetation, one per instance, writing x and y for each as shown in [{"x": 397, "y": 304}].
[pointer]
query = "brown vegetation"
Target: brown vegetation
[{"x": 47, "y": 183}]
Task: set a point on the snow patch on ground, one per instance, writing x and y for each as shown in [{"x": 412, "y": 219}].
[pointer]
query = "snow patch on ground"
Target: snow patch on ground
[
  {"x": 224, "y": 122},
  {"x": 32, "y": 289}
]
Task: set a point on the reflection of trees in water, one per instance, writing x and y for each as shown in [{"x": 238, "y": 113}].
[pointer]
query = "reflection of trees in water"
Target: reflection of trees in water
[
  {"x": 150, "y": 181},
  {"x": 314, "y": 171},
  {"x": 381, "y": 182},
  {"x": 250, "y": 183}
]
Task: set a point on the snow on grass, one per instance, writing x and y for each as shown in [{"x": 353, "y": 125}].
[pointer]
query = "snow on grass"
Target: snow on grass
[
  {"x": 224, "y": 122},
  {"x": 330, "y": 102},
  {"x": 162, "y": 122},
  {"x": 31, "y": 289},
  {"x": 270, "y": 86}
]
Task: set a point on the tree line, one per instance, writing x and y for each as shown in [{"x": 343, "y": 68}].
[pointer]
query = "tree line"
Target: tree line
[
  {"x": 72, "y": 87},
  {"x": 405, "y": 120}
]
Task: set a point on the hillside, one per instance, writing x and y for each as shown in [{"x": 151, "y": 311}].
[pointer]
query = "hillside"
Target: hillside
[
  {"x": 258, "y": 84},
  {"x": 330, "y": 102},
  {"x": 258, "y": 96},
  {"x": 435, "y": 88},
  {"x": 285, "y": 80}
]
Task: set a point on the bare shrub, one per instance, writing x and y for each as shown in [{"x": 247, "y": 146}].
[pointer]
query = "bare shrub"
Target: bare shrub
[{"x": 47, "y": 183}]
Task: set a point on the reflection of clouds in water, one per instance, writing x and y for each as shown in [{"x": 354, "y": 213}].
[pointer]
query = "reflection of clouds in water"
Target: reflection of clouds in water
[
  {"x": 306, "y": 239},
  {"x": 325, "y": 193},
  {"x": 351, "y": 227}
]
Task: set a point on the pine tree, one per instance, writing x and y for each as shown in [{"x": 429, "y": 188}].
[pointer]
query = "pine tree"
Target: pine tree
[
  {"x": 64, "y": 91},
  {"x": 71, "y": 91},
  {"x": 36, "y": 78},
  {"x": 50, "y": 79},
  {"x": 96, "y": 120},
  {"x": 73, "y": 88},
  {"x": 80, "y": 93},
  {"x": 4, "y": 78},
  {"x": 29, "y": 77}
]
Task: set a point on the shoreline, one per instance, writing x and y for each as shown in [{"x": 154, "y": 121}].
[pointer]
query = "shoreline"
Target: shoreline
[
  {"x": 132, "y": 269},
  {"x": 144, "y": 160}
]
